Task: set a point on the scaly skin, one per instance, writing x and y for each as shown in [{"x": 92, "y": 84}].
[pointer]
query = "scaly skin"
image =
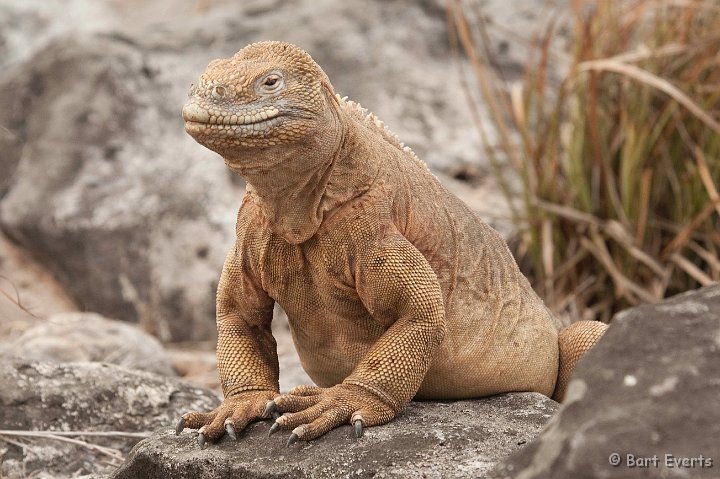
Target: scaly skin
[{"x": 393, "y": 287}]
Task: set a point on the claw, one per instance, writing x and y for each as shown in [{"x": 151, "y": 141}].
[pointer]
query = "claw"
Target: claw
[
  {"x": 273, "y": 429},
  {"x": 231, "y": 431},
  {"x": 291, "y": 440},
  {"x": 276, "y": 415},
  {"x": 180, "y": 426},
  {"x": 201, "y": 440},
  {"x": 358, "y": 428},
  {"x": 270, "y": 408}
]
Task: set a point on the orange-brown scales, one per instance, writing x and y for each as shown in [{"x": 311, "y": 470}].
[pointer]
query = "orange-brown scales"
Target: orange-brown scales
[{"x": 393, "y": 287}]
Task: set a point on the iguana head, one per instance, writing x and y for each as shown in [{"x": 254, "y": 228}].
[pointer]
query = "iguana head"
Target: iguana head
[
  {"x": 271, "y": 113},
  {"x": 268, "y": 94}
]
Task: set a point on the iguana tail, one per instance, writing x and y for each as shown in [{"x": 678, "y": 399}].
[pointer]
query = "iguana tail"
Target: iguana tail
[{"x": 574, "y": 341}]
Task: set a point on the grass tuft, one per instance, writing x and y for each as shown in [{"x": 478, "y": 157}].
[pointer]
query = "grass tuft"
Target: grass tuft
[{"x": 617, "y": 158}]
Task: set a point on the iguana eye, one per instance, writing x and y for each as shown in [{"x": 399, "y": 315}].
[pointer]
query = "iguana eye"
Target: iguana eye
[
  {"x": 271, "y": 83},
  {"x": 218, "y": 92}
]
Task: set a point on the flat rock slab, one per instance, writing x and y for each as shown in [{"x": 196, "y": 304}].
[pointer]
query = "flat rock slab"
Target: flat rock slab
[
  {"x": 644, "y": 402},
  {"x": 429, "y": 439},
  {"x": 91, "y": 397}
]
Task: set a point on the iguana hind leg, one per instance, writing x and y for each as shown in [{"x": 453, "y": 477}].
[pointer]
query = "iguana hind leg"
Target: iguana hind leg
[{"x": 574, "y": 341}]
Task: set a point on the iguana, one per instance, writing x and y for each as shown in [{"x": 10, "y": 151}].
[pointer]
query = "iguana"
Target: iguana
[{"x": 394, "y": 289}]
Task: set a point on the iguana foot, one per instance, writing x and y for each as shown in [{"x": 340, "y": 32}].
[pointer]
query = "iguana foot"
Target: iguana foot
[
  {"x": 311, "y": 411},
  {"x": 232, "y": 416}
]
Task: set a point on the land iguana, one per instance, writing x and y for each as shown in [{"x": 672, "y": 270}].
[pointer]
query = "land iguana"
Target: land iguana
[{"x": 394, "y": 289}]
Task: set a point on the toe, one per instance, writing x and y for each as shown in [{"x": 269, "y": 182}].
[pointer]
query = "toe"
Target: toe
[
  {"x": 215, "y": 429},
  {"x": 241, "y": 417},
  {"x": 196, "y": 420},
  {"x": 372, "y": 417},
  {"x": 291, "y": 420},
  {"x": 305, "y": 390},
  {"x": 290, "y": 403},
  {"x": 327, "y": 421}
]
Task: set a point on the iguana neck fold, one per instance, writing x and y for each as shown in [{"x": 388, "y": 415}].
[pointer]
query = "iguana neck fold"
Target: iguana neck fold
[{"x": 297, "y": 187}]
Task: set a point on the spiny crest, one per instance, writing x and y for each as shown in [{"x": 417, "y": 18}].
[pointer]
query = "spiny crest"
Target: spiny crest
[{"x": 355, "y": 109}]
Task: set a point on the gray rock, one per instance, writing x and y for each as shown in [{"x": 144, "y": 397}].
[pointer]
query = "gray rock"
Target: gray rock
[
  {"x": 429, "y": 439},
  {"x": 105, "y": 195},
  {"x": 649, "y": 388},
  {"x": 38, "y": 396},
  {"x": 82, "y": 337}
]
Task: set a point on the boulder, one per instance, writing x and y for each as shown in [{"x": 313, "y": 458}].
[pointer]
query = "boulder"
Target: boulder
[
  {"x": 106, "y": 195},
  {"x": 81, "y": 337},
  {"x": 428, "y": 439},
  {"x": 43, "y": 398},
  {"x": 642, "y": 403}
]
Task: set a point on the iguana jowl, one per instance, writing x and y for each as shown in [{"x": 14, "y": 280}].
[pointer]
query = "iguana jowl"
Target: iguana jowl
[{"x": 393, "y": 287}]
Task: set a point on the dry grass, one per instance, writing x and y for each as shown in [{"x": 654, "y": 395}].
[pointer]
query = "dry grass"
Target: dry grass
[{"x": 618, "y": 156}]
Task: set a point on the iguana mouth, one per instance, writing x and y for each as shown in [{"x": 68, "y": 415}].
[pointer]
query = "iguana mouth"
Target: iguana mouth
[{"x": 253, "y": 119}]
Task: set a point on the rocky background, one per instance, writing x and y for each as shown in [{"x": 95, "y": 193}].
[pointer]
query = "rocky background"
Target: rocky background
[{"x": 115, "y": 225}]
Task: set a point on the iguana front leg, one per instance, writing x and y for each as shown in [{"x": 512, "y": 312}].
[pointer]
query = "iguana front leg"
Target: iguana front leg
[
  {"x": 400, "y": 290},
  {"x": 246, "y": 354}
]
